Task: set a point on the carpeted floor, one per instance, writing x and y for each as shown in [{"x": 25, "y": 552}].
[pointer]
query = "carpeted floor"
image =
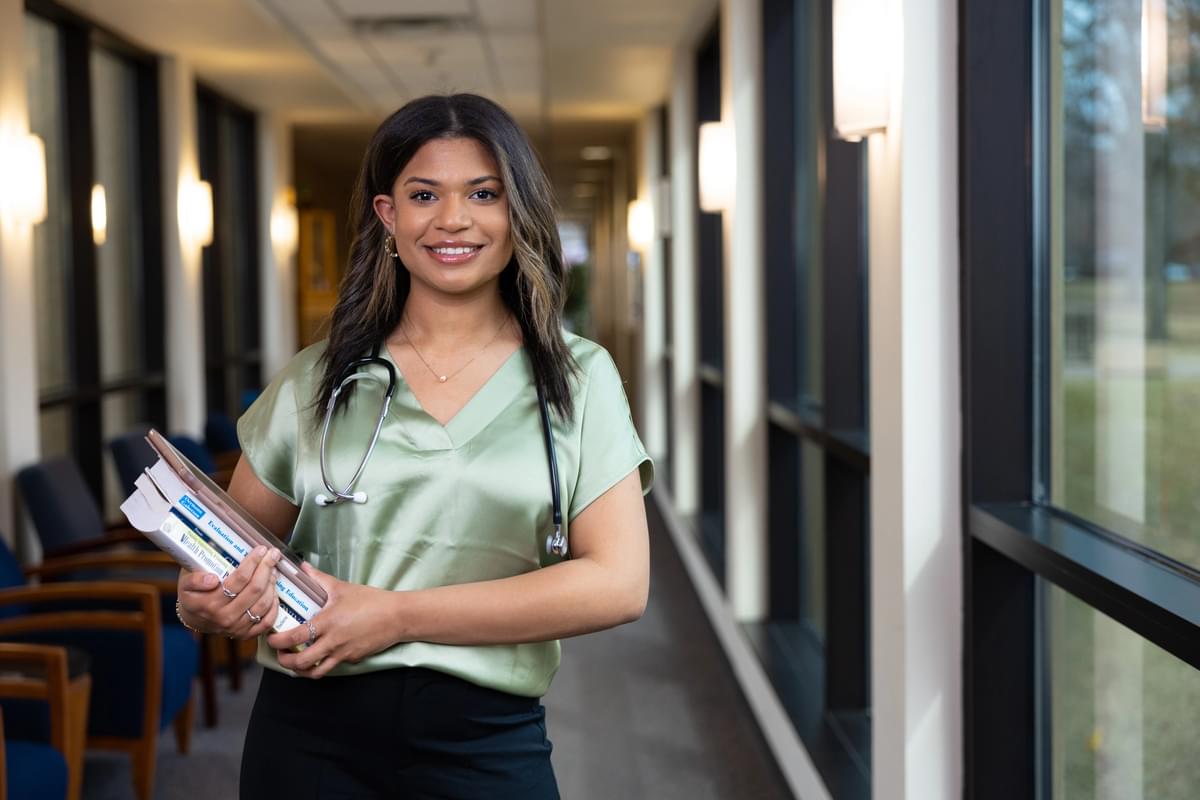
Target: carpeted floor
[{"x": 649, "y": 710}]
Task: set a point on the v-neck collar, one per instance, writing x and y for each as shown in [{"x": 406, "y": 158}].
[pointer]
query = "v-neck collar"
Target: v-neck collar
[{"x": 500, "y": 389}]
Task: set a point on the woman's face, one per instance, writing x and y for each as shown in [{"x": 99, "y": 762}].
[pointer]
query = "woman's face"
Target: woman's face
[{"x": 449, "y": 215}]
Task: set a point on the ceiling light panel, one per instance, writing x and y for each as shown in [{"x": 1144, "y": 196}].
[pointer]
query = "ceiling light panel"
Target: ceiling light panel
[
  {"x": 508, "y": 15},
  {"x": 390, "y": 9}
]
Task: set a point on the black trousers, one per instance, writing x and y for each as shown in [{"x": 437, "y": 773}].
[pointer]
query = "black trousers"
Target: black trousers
[{"x": 400, "y": 733}]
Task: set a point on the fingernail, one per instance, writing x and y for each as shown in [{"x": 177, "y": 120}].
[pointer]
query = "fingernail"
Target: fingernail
[
  {"x": 260, "y": 551},
  {"x": 275, "y": 554},
  {"x": 209, "y": 580}
]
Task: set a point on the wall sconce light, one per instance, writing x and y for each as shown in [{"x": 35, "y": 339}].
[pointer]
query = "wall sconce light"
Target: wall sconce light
[
  {"x": 861, "y": 66},
  {"x": 99, "y": 216},
  {"x": 640, "y": 225},
  {"x": 23, "y": 164},
  {"x": 1154, "y": 64},
  {"x": 285, "y": 223},
  {"x": 196, "y": 212},
  {"x": 718, "y": 170}
]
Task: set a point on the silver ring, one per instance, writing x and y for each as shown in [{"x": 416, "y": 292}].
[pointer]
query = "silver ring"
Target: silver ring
[
  {"x": 255, "y": 617},
  {"x": 312, "y": 631},
  {"x": 225, "y": 591}
]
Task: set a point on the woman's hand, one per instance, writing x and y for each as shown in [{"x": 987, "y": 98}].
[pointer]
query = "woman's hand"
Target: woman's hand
[
  {"x": 357, "y": 621},
  {"x": 232, "y": 608}
]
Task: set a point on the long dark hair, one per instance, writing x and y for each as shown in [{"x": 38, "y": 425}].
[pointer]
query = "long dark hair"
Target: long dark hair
[{"x": 533, "y": 284}]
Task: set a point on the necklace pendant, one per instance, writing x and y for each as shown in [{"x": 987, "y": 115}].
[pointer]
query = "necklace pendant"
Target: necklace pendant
[{"x": 441, "y": 378}]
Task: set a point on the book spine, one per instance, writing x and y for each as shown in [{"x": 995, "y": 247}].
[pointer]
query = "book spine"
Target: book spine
[{"x": 203, "y": 518}]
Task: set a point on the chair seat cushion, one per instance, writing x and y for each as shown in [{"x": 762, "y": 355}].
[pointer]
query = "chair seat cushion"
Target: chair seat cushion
[{"x": 35, "y": 771}]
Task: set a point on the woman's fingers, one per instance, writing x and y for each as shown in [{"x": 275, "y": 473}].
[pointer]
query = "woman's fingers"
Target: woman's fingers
[
  {"x": 236, "y": 582},
  {"x": 251, "y": 594}
]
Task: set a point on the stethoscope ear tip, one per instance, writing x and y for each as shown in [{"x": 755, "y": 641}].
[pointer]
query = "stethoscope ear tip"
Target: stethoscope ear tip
[
  {"x": 322, "y": 500},
  {"x": 359, "y": 497}
]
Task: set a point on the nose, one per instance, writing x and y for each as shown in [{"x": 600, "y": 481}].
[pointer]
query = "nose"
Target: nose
[{"x": 455, "y": 214}]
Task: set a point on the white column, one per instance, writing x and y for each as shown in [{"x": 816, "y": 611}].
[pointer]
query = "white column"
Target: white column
[
  {"x": 745, "y": 342},
  {"x": 685, "y": 382},
  {"x": 277, "y": 259},
  {"x": 185, "y": 318},
  {"x": 19, "y": 441},
  {"x": 916, "y": 526},
  {"x": 653, "y": 394}
]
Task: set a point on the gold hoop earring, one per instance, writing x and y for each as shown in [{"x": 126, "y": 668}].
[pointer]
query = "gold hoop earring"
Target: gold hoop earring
[{"x": 389, "y": 246}]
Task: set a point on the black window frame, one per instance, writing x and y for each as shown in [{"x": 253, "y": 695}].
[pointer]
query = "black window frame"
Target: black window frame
[
  {"x": 824, "y": 685},
  {"x": 1012, "y": 538},
  {"x": 84, "y": 395},
  {"x": 230, "y": 369}
]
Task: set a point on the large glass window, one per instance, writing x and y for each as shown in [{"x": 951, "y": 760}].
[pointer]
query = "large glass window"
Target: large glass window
[
  {"x": 1122, "y": 711},
  {"x": 51, "y": 239},
  {"x": 231, "y": 320},
  {"x": 1125, "y": 269},
  {"x": 98, "y": 287}
]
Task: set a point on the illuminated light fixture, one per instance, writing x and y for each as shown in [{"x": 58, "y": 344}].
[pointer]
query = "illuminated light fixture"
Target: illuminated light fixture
[
  {"x": 23, "y": 165},
  {"x": 285, "y": 223},
  {"x": 640, "y": 225},
  {"x": 717, "y": 167},
  {"x": 861, "y": 67},
  {"x": 1154, "y": 64},
  {"x": 196, "y": 213},
  {"x": 596, "y": 153},
  {"x": 99, "y": 216}
]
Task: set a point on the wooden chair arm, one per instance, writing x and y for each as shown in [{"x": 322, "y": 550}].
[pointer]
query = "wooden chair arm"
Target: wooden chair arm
[
  {"x": 120, "y": 536},
  {"x": 3, "y": 765},
  {"x": 227, "y": 460},
  {"x": 143, "y": 618},
  {"x": 114, "y": 561},
  {"x": 38, "y": 672}
]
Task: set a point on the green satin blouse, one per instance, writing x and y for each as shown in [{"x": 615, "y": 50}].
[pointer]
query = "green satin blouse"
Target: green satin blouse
[{"x": 468, "y": 501}]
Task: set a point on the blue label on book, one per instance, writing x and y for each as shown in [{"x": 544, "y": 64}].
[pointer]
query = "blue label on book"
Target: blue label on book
[{"x": 191, "y": 506}]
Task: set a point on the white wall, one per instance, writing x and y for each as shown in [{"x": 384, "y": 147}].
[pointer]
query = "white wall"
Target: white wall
[
  {"x": 916, "y": 536},
  {"x": 277, "y": 276},
  {"x": 685, "y": 384},
  {"x": 19, "y": 443},
  {"x": 745, "y": 342},
  {"x": 182, "y": 275}
]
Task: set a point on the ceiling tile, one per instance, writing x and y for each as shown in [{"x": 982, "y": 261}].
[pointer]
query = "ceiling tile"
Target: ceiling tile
[{"x": 365, "y": 9}]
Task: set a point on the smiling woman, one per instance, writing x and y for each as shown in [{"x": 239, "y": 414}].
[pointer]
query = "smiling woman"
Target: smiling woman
[{"x": 447, "y": 599}]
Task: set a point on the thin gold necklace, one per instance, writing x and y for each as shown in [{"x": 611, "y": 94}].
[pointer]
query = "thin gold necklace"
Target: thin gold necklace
[{"x": 443, "y": 378}]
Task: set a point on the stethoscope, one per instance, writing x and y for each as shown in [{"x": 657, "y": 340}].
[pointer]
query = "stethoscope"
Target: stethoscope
[{"x": 556, "y": 541}]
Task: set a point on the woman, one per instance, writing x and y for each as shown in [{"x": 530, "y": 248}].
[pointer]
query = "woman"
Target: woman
[{"x": 440, "y": 634}]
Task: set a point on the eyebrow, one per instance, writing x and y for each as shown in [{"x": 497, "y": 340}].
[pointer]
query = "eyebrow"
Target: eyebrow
[{"x": 472, "y": 182}]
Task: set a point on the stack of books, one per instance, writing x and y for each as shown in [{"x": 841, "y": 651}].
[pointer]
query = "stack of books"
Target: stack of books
[{"x": 185, "y": 514}]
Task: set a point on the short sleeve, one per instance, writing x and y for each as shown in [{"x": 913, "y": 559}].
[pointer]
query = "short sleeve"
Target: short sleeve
[
  {"x": 609, "y": 446},
  {"x": 268, "y": 432}
]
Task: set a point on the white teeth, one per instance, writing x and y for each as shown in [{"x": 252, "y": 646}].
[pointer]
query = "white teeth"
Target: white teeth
[{"x": 454, "y": 251}]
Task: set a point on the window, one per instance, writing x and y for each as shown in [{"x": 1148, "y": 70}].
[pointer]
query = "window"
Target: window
[
  {"x": 815, "y": 642},
  {"x": 1081, "y": 584},
  {"x": 231, "y": 321},
  {"x": 99, "y": 291},
  {"x": 711, "y": 322}
]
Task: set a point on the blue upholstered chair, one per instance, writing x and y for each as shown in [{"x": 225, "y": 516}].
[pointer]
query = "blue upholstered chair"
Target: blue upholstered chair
[
  {"x": 220, "y": 434},
  {"x": 65, "y": 514},
  {"x": 131, "y": 454},
  {"x": 142, "y": 671},
  {"x": 46, "y": 768}
]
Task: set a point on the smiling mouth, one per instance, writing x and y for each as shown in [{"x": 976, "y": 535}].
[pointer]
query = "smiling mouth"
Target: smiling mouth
[{"x": 454, "y": 255}]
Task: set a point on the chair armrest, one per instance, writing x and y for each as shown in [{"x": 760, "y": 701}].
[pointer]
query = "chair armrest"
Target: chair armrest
[
  {"x": 127, "y": 560},
  {"x": 48, "y": 680},
  {"x": 143, "y": 617},
  {"x": 118, "y": 536}
]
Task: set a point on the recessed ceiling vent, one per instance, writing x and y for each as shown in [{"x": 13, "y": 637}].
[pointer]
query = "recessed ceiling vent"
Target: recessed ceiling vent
[{"x": 413, "y": 27}]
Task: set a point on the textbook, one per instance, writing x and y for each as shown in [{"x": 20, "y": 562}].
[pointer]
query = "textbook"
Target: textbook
[{"x": 187, "y": 516}]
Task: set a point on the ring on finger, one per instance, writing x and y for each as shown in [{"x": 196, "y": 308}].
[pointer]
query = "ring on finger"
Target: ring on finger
[
  {"x": 255, "y": 618},
  {"x": 312, "y": 631},
  {"x": 225, "y": 591}
]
